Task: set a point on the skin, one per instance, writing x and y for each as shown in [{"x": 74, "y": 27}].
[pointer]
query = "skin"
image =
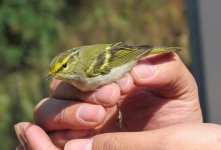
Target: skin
[{"x": 158, "y": 97}]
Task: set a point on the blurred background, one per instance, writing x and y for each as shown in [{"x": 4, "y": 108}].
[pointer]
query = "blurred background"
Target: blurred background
[{"x": 32, "y": 32}]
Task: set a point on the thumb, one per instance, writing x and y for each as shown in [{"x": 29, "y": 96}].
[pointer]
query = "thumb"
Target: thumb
[
  {"x": 125, "y": 140},
  {"x": 166, "y": 75},
  {"x": 181, "y": 136},
  {"x": 121, "y": 140}
]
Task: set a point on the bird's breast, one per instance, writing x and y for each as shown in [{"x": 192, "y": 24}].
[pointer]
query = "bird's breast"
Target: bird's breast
[{"x": 92, "y": 83}]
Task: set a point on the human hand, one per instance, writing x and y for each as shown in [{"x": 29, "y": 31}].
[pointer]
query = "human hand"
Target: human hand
[
  {"x": 158, "y": 92},
  {"x": 176, "y": 137}
]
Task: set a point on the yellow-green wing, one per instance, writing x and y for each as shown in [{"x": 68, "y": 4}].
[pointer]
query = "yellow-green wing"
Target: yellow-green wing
[
  {"x": 119, "y": 54},
  {"x": 124, "y": 54},
  {"x": 115, "y": 55}
]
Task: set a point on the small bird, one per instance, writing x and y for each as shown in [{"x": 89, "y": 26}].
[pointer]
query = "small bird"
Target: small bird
[{"x": 90, "y": 67}]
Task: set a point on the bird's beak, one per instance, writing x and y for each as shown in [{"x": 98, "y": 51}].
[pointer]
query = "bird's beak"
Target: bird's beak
[{"x": 49, "y": 76}]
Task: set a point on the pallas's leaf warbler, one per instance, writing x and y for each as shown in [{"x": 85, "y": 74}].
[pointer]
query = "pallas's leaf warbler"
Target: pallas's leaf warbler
[{"x": 89, "y": 67}]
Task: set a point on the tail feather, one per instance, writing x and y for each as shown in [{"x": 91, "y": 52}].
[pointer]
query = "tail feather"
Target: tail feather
[
  {"x": 140, "y": 47},
  {"x": 156, "y": 50},
  {"x": 153, "y": 50}
]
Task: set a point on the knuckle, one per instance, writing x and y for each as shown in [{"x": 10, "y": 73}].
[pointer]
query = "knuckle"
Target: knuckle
[{"x": 60, "y": 117}]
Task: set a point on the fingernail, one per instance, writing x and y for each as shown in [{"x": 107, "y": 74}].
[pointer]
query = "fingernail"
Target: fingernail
[
  {"x": 144, "y": 71},
  {"x": 111, "y": 92},
  {"x": 19, "y": 132},
  {"x": 82, "y": 144},
  {"x": 90, "y": 113}
]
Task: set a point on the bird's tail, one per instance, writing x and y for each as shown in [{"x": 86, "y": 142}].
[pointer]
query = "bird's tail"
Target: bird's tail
[{"x": 156, "y": 50}]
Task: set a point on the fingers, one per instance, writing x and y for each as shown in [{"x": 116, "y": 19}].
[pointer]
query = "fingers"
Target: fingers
[
  {"x": 33, "y": 137},
  {"x": 182, "y": 136},
  {"x": 107, "y": 95},
  {"x": 60, "y": 138},
  {"x": 126, "y": 140},
  {"x": 166, "y": 74},
  {"x": 53, "y": 114}
]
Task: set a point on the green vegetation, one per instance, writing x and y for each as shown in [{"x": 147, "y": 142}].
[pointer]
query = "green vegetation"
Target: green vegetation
[{"x": 33, "y": 31}]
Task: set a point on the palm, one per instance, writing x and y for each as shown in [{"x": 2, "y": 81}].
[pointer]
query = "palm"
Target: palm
[{"x": 144, "y": 110}]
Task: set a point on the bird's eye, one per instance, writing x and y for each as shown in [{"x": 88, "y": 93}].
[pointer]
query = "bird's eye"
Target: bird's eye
[{"x": 64, "y": 65}]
